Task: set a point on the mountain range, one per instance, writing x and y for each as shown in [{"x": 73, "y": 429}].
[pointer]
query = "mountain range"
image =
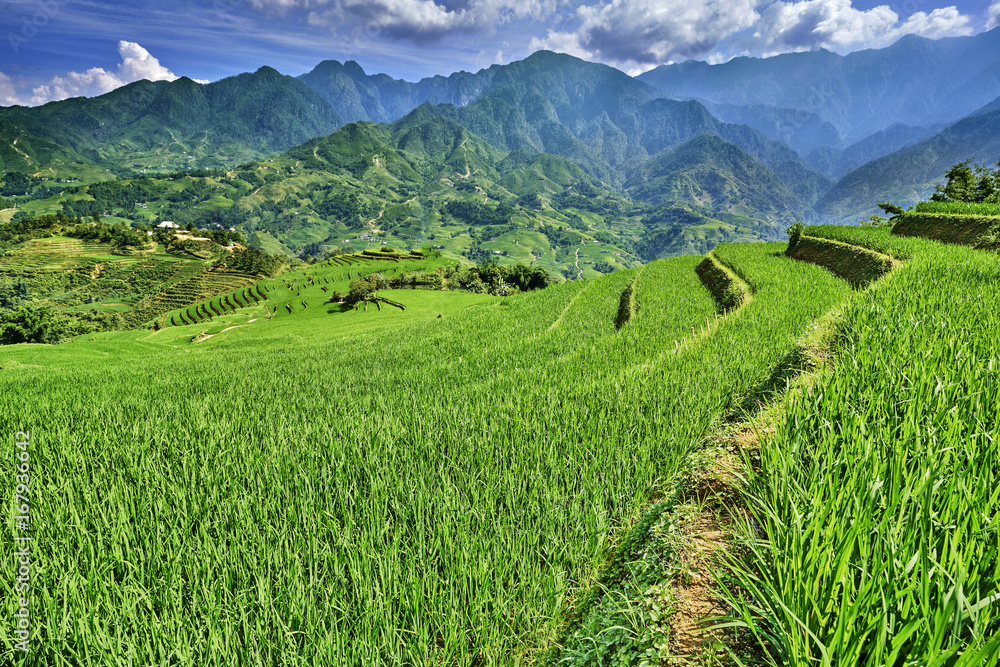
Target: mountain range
[{"x": 812, "y": 135}]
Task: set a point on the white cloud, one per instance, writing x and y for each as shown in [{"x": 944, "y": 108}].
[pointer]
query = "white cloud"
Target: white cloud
[
  {"x": 416, "y": 20},
  {"x": 838, "y": 26},
  {"x": 993, "y": 16},
  {"x": 8, "y": 93},
  {"x": 136, "y": 64},
  {"x": 943, "y": 22},
  {"x": 636, "y": 33}
]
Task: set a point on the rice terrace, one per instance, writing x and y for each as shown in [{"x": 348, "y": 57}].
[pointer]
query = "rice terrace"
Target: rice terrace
[{"x": 542, "y": 365}]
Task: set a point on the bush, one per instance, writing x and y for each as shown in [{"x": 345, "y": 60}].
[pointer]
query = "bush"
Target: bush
[
  {"x": 361, "y": 289},
  {"x": 34, "y": 322},
  {"x": 254, "y": 261},
  {"x": 794, "y": 233}
]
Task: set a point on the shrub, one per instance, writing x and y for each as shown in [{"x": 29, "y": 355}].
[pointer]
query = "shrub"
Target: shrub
[{"x": 794, "y": 233}]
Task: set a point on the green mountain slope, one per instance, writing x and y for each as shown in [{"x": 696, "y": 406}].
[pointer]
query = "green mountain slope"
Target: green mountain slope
[
  {"x": 182, "y": 124},
  {"x": 596, "y": 116},
  {"x": 426, "y": 180},
  {"x": 713, "y": 172}
]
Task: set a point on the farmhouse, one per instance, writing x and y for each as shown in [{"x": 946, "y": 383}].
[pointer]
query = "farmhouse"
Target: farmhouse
[{"x": 166, "y": 224}]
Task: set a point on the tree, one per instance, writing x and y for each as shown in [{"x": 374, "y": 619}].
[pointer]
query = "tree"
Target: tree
[
  {"x": 34, "y": 322},
  {"x": 967, "y": 182},
  {"x": 361, "y": 289},
  {"x": 254, "y": 261}
]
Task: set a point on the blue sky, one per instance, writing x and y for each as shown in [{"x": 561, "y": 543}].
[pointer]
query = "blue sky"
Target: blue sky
[{"x": 52, "y": 49}]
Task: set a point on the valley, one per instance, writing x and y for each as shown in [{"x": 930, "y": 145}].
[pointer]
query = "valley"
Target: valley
[{"x": 543, "y": 364}]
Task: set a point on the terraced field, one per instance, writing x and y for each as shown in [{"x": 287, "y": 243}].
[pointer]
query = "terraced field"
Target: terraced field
[{"x": 478, "y": 480}]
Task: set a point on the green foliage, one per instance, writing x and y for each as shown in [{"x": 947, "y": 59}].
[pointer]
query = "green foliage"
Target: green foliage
[
  {"x": 34, "y": 322},
  {"x": 362, "y": 289},
  {"x": 475, "y": 213},
  {"x": 894, "y": 453},
  {"x": 969, "y": 183},
  {"x": 254, "y": 262},
  {"x": 876, "y": 220},
  {"x": 794, "y": 232},
  {"x": 492, "y": 278}
]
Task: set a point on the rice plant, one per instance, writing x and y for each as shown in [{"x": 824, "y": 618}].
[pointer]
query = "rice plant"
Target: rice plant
[
  {"x": 874, "y": 532},
  {"x": 959, "y": 208},
  {"x": 438, "y": 492}
]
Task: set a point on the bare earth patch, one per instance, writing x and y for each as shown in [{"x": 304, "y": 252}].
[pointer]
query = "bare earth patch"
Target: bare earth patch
[{"x": 705, "y": 537}]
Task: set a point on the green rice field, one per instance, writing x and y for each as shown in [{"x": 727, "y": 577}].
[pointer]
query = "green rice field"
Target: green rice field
[{"x": 273, "y": 479}]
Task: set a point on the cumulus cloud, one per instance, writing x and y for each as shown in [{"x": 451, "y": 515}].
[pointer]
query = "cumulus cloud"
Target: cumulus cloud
[
  {"x": 416, "y": 20},
  {"x": 8, "y": 92},
  {"x": 838, "y": 26},
  {"x": 993, "y": 16},
  {"x": 136, "y": 64},
  {"x": 644, "y": 32}
]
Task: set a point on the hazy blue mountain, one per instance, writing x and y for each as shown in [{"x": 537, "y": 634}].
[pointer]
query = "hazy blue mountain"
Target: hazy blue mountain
[
  {"x": 378, "y": 97},
  {"x": 183, "y": 123},
  {"x": 836, "y": 163},
  {"x": 909, "y": 175},
  {"x": 802, "y": 130},
  {"x": 915, "y": 81}
]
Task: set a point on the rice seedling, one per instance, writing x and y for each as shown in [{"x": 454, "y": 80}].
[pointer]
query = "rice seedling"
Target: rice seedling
[
  {"x": 959, "y": 208},
  {"x": 342, "y": 509},
  {"x": 873, "y": 538}
]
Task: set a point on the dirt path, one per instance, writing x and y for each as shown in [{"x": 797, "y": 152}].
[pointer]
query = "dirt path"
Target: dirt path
[
  {"x": 20, "y": 152},
  {"x": 579, "y": 271},
  {"x": 705, "y": 538}
]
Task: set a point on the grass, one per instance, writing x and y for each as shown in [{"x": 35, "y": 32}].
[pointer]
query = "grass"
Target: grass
[
  {"x": 499, "y": 485},
  {"x": 872, "y": 534},
  {"x": 959, "y": 208},
  {"x": 308, "y": 492}
]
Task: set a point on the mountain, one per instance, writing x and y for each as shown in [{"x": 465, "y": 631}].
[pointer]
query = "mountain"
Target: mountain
[
  {"x": 710, "y": 171},
  {"x": 909, "y": 175},
  {"x": 802, "y": 130},
  {"x": 359, "y": 96},
  {"x": 606, "y": 123},
  {"x": 836, "y": 163},
  {"x": 182, "y": 124},
  {"x": 916, "y": 81},
  {"x": 599, "y": 118}
]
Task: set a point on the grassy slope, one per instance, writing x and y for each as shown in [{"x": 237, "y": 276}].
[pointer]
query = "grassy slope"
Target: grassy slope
[
  {"x": 385, "y": 517},
  {"x": 438, "y": 531},
  {"x": 875, "y": 536}
]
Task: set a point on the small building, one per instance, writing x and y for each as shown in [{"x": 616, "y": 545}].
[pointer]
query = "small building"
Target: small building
[{"x": 166, "y": 224}]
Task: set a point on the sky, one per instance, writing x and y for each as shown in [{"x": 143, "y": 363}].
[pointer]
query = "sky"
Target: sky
[{"x": 54, "y": 49}]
